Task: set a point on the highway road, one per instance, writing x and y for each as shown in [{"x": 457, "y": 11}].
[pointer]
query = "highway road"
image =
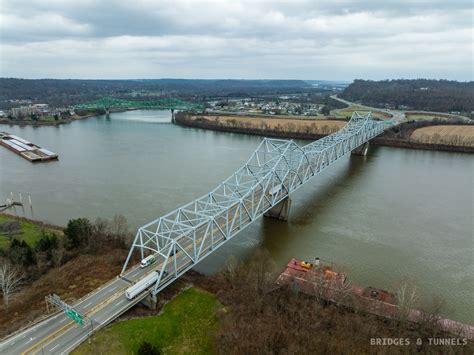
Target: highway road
[
  {"x": 60, "y": 334},
  {"x": 397, "y": 116}
]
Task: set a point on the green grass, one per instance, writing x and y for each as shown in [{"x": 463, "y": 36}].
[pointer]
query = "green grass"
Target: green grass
[
  {"x": 356, "y": 107},
  {"x": 424, "y": 117},
  {"x": 30, "y": 232},
  {"x": 184, "y": 327}
]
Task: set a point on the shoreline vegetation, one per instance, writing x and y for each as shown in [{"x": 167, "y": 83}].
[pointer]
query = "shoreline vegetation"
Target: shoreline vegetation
[
  {"x": 237, "y": 310},
  {"x": 448, "y": 137},
  {"x": 52, "y": 122},
  {"x": 420, "y": 134}
]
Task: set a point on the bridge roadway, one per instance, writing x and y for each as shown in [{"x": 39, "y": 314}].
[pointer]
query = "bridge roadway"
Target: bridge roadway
[{"x": 59, "y": 334}]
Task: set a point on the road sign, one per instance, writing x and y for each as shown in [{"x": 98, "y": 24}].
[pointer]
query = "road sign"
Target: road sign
[
  {"x": 77, "y": 317},
  {"x": 55, "y": 300}
]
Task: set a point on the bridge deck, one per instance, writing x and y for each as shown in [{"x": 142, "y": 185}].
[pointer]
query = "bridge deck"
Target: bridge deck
[{"x": 277, "y": 168}]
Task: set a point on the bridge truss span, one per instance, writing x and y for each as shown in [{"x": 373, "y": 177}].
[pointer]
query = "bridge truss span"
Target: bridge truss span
[{"x": 185, "y": 236}]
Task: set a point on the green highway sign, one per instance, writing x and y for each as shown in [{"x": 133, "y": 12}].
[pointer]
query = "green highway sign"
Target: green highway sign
[{"x": 75, "y": 316}]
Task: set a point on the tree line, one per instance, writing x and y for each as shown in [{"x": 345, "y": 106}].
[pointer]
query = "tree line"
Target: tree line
[
  {"x": 74, "y": 91},
  {"x": 21, "y": 263},
  {"x": 418, "y": 94},
  {"x": 264, "y": 318}
]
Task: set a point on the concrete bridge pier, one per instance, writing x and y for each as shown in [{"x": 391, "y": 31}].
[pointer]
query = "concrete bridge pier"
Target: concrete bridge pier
[
  {"x": 362, "y": 149},
  {"x": 173, "y": 120},
  {"x": 281, "y": 210},
  {"x": 150, "y": 301},
  {"x": 107, "y": 111}
]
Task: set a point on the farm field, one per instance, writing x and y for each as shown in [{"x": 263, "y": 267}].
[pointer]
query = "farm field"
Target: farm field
[
  {"x": 318, "y": 126},
  {"x": 445, "y": 134}
]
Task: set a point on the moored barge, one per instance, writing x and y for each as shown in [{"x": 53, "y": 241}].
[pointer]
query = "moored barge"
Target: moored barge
[
  {"x": 26, "y": 149},
  {"x": 321, "y": 280}
]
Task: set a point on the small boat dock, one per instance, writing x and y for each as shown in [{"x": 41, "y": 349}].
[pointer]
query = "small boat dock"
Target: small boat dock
[{"x": 26, "y": 149}]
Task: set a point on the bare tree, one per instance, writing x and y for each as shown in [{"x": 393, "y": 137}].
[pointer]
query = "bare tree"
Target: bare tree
[
  {"x": 10, "y": 279},
  {"x": 231, "y": 265},
  {"x": 406, "y": 297}
]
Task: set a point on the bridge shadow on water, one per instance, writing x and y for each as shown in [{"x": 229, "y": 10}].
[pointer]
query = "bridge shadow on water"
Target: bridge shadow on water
[{"x": 311, "y": 199}]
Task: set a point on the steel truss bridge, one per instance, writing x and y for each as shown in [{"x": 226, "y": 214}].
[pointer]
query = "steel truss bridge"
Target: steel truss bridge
[
  {"x": 277, "y": 168},
  {"x": 182, "y": 238}
]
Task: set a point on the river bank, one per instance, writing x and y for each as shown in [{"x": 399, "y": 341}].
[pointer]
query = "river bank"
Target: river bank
[
  {"x": 312, "y": 130},
  {"x": 23, "y": 228},
  {"x": 245, "y": 312},
  {"x": 39, "y": 123}
]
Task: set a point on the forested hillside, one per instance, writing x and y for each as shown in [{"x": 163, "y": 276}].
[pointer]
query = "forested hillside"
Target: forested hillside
[
  {"x": 418, "y": 94},
  {"x": 69, "y": 92}
]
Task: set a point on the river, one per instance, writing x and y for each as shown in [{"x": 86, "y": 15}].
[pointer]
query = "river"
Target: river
[{"x": 395, "y": 216}]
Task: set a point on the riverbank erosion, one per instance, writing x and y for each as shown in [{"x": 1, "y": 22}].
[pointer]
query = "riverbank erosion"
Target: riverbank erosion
[{"x": 454, "y": 137}]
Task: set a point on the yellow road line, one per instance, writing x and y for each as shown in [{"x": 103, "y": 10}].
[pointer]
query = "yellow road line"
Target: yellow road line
[
  {"x": 45, "y": 341},
  {"x": 92, "y": 311}
]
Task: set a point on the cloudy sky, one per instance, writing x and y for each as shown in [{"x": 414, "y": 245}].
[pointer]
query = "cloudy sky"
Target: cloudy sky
[{"x": 319, "y": 39}]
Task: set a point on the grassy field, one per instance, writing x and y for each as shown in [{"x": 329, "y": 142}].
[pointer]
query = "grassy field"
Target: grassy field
[
  {"x": 185, "y": 326},
  {"x": 317, "y": 126},
  {"x": 30, "y": 232},
  {"x": 419, "y": 116},
  {"x": 449, "y": 135},
  {"x": 347, "y": 112}
]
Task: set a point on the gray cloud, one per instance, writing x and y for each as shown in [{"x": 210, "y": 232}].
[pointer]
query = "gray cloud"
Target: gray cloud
[{"x": 336, "y": 39}]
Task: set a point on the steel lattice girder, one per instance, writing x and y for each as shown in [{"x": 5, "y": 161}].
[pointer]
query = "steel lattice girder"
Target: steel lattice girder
[{"x": 278, "y": 167}]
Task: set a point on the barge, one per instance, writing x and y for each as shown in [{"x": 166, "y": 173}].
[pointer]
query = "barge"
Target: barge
[
  {"x": 319, "y": 279},
  {"x": 26, "y": 149}
]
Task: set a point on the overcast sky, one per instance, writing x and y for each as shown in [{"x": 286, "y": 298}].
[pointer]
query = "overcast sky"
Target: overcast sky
[{"x": 319, "y": 39}]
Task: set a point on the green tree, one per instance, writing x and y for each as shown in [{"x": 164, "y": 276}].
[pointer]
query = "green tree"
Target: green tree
[
  {"x": 78, "y": 233},
  {"x": 47, "y": 244},
  {"x": 21, "y": 253},
  {"x": 325, "y": 110}
]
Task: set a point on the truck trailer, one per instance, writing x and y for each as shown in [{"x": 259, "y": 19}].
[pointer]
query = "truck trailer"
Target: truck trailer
[{"x": 142, "y": 285}]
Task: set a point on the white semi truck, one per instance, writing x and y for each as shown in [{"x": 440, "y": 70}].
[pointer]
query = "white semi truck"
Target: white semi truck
[{"x": 143, "y": 284}]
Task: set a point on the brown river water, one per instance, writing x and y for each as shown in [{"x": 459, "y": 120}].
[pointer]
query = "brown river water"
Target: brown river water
[{"x": 393, "y": 216}]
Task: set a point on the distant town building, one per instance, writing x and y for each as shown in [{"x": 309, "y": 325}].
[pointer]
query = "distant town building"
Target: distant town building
[{"x": 24, "y": 111}]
